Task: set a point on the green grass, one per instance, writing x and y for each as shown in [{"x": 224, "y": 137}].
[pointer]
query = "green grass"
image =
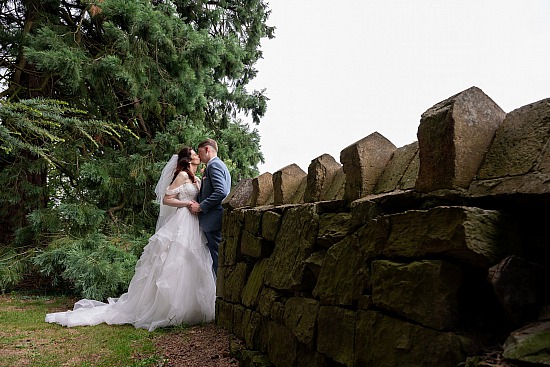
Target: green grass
[{"x": 27, "y": 340}]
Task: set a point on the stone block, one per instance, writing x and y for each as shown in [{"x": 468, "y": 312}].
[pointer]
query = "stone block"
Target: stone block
[
  {"x": 255, "y": 246},
  {"x": 321, "y": 173},
  {"x": 343, "y": 275},
  {"x": 253, "y": 220},
  {"x": 529, "y": 344},
  {"x": 278, "y": 312},
  {"x": 220, "y": 281},
  {"x": 454, "y": 137},
  {"x": 337, "y": 189},
  {"x": 240, "y": 318},
  {"x": 335, "y": 337},
  {"x": 383, "y": 341},
  {"x": 372, "y": 238},
  {"x": 518, "y": 161},
  {"x": 268, "y": 296},
  {"x": 399, "y": 172},
  {"x": 333, "y": 227},
  {"x": 423, "y": 291},
  {"x": 298, "y": 197},
  {"x": 232, "y": 228},
  {"x": 286, "y": 183},
  {"x": 310, "y": 358},
  {"x": 262, "y": 341},
  {"x": 364, "y": 210},
  {"x": 475, "y": 236},
  {"x": 294, "y": 244},
  {"x": 520, "y": 286},
  {"x": 364, "y": 162},
  {"x": 408, "y": 181},
  {"x": 262, "y": 190},
  {"x": 271, "y": 221},
  {"x": 254, "y": 284},
  {"x": 283, "y": 346},
  {"x": 239, "y": 196},
  {"x": 234, "y": 279},
  {"x": 252, "y": 358},
  {"x": 300, "y": 317},
  {"x": 251, "y": 326},
  {"x": 315, "y": 262},
  {"x": 224, "y": 315}
]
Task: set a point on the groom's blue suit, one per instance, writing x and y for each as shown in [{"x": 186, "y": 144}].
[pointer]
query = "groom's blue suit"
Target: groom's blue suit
[{"x": 215, "y": 186}]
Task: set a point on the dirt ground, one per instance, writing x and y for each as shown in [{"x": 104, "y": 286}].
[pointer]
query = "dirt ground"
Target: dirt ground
[
  {"x": 199, "y": 346},
  {"x": 209, "y": 346}
]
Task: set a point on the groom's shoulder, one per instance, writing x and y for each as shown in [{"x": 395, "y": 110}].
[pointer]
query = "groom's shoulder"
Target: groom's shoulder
[{"x": 219, "y": 162}]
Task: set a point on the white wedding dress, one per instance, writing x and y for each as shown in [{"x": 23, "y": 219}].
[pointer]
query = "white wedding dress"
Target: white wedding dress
[{"x": 173, "y": 281}]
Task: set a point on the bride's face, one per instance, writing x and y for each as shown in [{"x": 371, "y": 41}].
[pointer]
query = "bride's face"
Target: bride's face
[{"x": 195, "y": 159}]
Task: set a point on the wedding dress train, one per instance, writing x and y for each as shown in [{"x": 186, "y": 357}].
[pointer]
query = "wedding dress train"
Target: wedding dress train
[{"x": 173, "y": 281}]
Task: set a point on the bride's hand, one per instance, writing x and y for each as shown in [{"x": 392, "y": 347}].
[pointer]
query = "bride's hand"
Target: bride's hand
[{"x": 194, "y": 207}]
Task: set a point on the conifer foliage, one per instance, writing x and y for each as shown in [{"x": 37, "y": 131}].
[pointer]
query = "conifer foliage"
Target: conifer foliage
[{"x": 95, "y": 96}]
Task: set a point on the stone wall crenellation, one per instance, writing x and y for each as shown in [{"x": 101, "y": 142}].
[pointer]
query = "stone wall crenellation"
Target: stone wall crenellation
[{"x": 421, "y": 255}]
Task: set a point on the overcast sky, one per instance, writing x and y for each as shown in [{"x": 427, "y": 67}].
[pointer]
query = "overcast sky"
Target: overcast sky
[{"x": 338, "y": 71}]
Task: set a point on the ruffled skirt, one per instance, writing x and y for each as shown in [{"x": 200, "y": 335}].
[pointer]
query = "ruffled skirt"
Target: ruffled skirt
[{"x": 173, "y": 283}]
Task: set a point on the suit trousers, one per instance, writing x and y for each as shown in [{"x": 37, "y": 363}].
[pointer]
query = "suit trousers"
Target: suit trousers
[{"x": 214, "y": 238}]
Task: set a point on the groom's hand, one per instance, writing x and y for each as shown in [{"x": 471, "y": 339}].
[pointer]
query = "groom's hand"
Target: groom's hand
[{"x": 194, "y": 207}]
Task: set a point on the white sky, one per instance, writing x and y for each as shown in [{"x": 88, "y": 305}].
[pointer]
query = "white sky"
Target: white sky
[{"x": 338, "y": 71}]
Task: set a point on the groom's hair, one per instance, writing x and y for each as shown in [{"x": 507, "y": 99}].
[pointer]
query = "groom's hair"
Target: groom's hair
[{"x": 209, "y": 142}]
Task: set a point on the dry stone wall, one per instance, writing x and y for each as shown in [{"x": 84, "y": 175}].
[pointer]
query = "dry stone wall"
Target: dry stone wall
[{"x": 414, "y": 256}]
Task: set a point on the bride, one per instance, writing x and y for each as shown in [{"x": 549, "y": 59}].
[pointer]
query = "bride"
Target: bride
[{"x": 173, "y": 281}]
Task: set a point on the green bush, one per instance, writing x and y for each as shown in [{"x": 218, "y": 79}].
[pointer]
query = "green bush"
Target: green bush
[
  {"x": 96, "y": 266},
  {"x": 12, "y": 268}
]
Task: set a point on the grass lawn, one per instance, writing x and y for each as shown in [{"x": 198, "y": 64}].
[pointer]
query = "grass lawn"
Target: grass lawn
[{"x": 27, "y": 340}]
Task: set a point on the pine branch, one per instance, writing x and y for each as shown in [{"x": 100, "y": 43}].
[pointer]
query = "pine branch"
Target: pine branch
[
  {"x": 111, "y": 210},
  {"x": 137, "y": 106}
]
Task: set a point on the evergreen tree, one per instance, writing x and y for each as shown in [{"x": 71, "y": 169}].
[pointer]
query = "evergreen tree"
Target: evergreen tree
[
  {"x": 138, "y": 61},
  {"x": 133, "y": 80}
]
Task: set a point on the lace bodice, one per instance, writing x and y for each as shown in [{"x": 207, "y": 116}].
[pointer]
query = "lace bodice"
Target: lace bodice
[{"x": 187, "y": 191}]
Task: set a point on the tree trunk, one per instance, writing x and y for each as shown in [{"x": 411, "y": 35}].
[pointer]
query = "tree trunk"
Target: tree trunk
[{"x": 27, "y": 82}]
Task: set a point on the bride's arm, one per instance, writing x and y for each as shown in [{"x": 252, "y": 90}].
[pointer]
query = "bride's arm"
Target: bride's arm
[
  {"x": 172, "y": 200},
  {"x": 171, "y": 196}
]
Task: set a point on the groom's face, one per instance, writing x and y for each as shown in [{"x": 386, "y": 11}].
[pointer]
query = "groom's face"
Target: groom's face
[{"x": 203, "y": 153}]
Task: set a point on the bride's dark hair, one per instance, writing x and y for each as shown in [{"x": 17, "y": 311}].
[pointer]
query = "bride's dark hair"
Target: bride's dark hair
[{"x": 184, "y": 162}]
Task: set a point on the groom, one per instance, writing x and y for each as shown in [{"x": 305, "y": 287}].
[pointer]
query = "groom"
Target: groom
[{"x": 216, "y": 184}]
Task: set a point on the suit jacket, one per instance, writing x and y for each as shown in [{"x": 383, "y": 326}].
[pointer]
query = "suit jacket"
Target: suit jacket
[{"x": 215, "y": 186}]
